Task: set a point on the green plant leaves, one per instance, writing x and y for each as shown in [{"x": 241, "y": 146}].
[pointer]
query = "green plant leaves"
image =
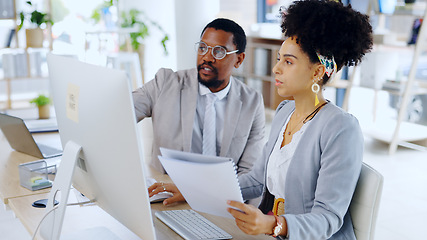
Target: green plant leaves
[{"x": 41, "y": 100}]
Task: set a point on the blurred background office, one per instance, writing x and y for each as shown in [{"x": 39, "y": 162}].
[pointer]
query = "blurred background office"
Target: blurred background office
[{"x": 387, "y": 93}]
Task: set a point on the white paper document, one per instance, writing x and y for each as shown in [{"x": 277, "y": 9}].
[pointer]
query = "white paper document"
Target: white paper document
[{"x": 206, "y": 184}]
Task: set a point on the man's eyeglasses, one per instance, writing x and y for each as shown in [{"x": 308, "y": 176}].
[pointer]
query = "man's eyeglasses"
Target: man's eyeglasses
[{"x": 218, "y": 52}]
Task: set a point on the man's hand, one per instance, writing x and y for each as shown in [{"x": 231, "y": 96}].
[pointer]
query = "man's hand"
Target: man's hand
[{"x": 159, "y": 187}]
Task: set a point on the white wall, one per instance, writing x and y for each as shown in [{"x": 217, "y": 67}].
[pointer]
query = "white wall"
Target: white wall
[
  {"x": 183, "y": 20},
  {"x": 191, "y": 17},
  {"x": 244, "y": 12},
  {"x": 162, "y": 12}
]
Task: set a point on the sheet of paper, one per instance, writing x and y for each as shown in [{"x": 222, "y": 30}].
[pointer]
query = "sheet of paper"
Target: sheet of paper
[
  {"x": 205, "y": 186},
  {"x": 192, "y": 157}
]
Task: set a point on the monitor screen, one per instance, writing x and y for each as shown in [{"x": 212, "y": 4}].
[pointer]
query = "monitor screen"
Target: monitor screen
[
  {"x": 386, "y": 6},
  {"x": 94, "y": 110}
]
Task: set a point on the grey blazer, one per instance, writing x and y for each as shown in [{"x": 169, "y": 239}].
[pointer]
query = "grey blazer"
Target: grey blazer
[
  {"x": 170, "y": 99},
  {"x": 321, "y": 177}
]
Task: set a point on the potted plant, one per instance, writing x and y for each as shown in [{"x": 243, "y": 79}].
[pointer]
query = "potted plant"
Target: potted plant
[
  {"x": 42, "y": 102},
  {"x": 103, "y": 12},
  {"x": 138, "y": 20},
  {"x": 135, "y": 20},
  {"x": 132, "y": 19},
  {"x": 34, "y": 35}
]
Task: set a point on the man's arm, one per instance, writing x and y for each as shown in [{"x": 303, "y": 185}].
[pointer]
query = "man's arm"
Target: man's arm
[
  {"x": 145, "y": 97},
  {"x": 256, "y": 141}
]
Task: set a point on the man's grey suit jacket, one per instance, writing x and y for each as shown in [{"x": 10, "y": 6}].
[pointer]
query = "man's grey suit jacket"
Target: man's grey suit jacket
[{"x": 170, "y": 99}]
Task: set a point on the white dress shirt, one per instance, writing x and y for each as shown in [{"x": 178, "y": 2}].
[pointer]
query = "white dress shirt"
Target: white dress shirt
[{"x": 220, "y": 104}]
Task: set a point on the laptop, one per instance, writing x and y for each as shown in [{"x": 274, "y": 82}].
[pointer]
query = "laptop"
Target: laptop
[
  {"x": 41, "y": 125},
  {"x": 20, "y": 138}
]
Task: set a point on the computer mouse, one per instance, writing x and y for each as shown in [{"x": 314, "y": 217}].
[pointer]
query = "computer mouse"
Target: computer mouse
[{"x": 42, "y": 203}]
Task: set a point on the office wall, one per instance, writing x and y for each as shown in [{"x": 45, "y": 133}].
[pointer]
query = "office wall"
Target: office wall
[
  {"x": 164, "y": 14},
  {"x": 243, "y": 12},
  {"x": 191, "y": 16},
  {"x": 360, "y": 5},
  {"x": 183, "y": 20}
]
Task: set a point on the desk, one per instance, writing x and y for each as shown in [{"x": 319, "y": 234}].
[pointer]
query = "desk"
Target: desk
[
  {"x": 9, "y": 174},
  {"x": 81, "y": 218}
]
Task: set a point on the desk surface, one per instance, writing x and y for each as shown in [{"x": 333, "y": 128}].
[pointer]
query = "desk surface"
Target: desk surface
[
  {"x": 9, "y": 173},
  {"x": 88, "y": 217},
  {"x": 81, "y": 218}
]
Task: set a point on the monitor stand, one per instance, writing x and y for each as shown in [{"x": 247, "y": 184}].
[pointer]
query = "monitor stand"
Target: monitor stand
[{"x": 51, "y": 225}]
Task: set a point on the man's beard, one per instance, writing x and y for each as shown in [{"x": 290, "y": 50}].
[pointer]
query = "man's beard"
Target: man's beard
[{"x": 213, "y": 83}]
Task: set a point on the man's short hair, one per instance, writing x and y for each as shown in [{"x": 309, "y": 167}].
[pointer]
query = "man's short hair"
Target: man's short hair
[{"x": 227, "y": 25}]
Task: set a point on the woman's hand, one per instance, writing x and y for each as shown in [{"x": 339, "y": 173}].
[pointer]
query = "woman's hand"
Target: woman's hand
[
  {"x": 250, "y": 219},
  {"x": 159, "y": 187}
]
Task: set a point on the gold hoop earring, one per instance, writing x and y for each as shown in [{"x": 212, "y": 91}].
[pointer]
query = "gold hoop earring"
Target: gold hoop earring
[{"x": 315, "y": 88}]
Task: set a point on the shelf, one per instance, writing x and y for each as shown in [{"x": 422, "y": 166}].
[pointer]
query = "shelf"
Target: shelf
[
  {"x": 256, "y": 69},
  {"x": 23, "y": 63},
  {"x": 8, "y": 10},
  {"x": 339, "y": 83},
  {"x": 398, "y": 88},
  {"x": 20, "y": 63},
  {"x": 23, "y": 78},
  {"x": 418, "y": 91},
  {"x": 255, "y": 76},
  {"x": 8, "y": 13},
  {"x": 397, "y": 132},
  {"x": 415, "y": 9},
  {"x": 409, "y": 132}
]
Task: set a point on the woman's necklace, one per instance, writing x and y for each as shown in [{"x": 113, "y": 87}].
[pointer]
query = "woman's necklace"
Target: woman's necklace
[{"x": 308, "y": 118}]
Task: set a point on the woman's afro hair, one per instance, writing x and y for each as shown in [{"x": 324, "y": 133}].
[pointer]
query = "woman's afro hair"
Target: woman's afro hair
[{"x": 330, "y": 28}]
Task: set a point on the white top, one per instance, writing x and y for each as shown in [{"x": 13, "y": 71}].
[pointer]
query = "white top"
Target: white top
[
  {"x": 220, "y": 104},
  {"x": 280, "y": 159}
]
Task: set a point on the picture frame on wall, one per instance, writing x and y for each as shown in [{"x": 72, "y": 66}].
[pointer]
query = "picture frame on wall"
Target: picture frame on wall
[{"x": 7, "y": 9}]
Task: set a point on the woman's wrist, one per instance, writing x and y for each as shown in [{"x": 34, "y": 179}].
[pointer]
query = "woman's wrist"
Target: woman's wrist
[
  {"x": 273, "y": 224},
  {"x": 284, "y": 231}
]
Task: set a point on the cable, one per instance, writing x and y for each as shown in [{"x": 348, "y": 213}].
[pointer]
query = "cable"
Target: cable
[
  {"x": 80, "y": 203},
  {"x": 40, "y": 222},
  {"x": 54, "y": 208}
]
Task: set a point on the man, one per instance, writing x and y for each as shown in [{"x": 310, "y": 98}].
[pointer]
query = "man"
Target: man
[{"x": 177, "y": 102}]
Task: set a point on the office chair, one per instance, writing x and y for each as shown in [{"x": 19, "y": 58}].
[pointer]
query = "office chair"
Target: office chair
[
  {"x": 365, "y": 203},
  {"x": 146, "y": 128}
]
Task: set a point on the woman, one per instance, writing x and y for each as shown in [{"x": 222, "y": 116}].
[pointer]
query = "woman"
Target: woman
[{"x": 312, "y": 161}]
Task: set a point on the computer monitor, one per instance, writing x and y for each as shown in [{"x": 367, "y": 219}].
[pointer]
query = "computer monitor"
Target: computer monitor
[
  {"x": 97, "y": 126},
  {"x": 387, "y": 6},
  {"x": 383, "y": 6}
]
